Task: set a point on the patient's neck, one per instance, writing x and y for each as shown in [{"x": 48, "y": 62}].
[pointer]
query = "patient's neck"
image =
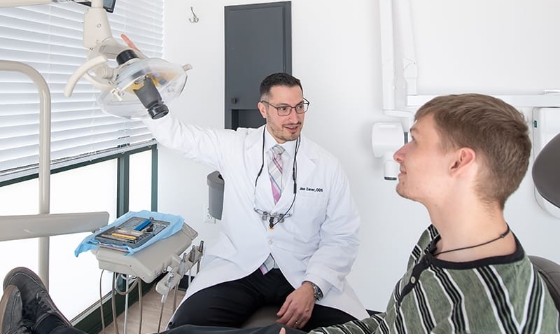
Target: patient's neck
[{"x": 475, "y": 242}]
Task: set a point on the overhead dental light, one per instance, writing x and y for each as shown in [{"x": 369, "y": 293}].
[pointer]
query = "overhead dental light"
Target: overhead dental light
[{"x": 135, "y": 83}]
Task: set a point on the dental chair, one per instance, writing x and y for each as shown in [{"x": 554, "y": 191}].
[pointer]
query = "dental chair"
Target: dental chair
[
  {"x": 546, "y": 176},
  {"x": 264, "y": 316}
]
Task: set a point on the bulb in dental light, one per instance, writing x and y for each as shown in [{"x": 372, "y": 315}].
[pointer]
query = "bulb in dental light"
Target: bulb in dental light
[
  {"x": 145, "y": 88},
  {"x": 142, "y": 84},
  {"x": 150, "y": 98}
]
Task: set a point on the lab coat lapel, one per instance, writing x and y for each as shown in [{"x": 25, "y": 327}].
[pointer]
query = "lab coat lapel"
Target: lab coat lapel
[
  {"x": 253, "y": 152},
  {"x": 254, "y": 158}
]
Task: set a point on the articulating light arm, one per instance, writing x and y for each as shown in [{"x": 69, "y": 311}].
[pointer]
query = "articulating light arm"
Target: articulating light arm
[
  {"x": 135, "y": 84},
  {"x": 98, "y": 39}
]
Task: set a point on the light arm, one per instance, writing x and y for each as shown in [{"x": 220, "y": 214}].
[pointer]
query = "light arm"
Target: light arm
[{"x": 98, "y": 39}]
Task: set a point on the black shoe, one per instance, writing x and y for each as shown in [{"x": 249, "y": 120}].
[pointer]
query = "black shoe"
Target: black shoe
[
  {"x": 11, "y": 312},
  {"x": 36, "y": 301}
]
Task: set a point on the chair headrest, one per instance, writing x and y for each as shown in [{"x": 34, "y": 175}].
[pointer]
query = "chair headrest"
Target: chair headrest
[{"x": 546, "y": 171}]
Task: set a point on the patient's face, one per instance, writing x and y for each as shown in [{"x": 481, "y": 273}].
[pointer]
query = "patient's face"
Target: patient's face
[{"x": 423, "y": 164}]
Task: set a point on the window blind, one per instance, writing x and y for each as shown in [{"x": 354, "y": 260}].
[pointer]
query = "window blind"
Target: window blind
[{"x": 50, "y": 39}]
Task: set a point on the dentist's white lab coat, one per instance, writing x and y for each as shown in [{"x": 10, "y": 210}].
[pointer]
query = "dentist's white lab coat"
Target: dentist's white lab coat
[{"x": 319, "y": 243}]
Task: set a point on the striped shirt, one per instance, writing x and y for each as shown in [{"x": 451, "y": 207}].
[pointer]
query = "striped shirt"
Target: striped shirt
[{"x": 502, "y": 294}]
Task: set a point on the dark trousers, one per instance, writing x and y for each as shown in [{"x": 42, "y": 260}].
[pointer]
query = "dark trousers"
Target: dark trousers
[
  {"x": 189, "y": 329},
  {"x": 230, "y": 304},
  {"x": 221, "y": 308}
]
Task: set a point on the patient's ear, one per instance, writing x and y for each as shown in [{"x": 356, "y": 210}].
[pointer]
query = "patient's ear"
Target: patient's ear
[{"x": 462, "y": 158}]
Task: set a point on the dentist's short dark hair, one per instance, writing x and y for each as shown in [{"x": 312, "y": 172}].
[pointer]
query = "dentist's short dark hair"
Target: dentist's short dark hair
[{"x": 277, "y": 79}]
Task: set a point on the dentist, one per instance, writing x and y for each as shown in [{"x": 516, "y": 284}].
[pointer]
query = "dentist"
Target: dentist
[{"x": 289, "y": 227}]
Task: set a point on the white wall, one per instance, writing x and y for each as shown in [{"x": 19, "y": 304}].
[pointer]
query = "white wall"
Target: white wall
[{"x": 497, "y": 47}]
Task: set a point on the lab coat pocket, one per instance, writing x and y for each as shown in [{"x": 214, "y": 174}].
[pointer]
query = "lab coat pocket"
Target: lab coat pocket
[{"x": 308, "y": 216}]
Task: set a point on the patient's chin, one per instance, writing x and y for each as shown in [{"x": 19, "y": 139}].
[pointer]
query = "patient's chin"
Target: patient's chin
[{"x": 402, "y": 192}]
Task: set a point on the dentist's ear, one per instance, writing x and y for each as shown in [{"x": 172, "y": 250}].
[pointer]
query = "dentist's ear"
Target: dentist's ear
[{"x": 262, "y": 109}]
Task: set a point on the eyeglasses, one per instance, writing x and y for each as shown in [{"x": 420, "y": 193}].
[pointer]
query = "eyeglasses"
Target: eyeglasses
[{"x": 285, "y": 110}]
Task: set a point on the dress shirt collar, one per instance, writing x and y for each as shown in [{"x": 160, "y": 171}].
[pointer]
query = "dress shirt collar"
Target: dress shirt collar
[{"x": 269, "y": 142}]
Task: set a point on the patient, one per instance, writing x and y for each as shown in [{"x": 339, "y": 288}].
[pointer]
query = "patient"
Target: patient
[{"x": 468, "y": 273}]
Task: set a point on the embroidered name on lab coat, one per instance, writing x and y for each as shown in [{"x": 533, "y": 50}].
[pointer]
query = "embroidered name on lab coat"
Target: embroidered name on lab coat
[{"x": 315, "y": 190}]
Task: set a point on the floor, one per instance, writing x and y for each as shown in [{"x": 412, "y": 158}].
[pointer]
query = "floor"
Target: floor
[{"x": 150, "y": 315}]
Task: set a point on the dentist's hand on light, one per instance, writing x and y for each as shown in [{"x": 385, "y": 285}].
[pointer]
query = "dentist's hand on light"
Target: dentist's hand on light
[
  {"x": 129, "y": 42},
  {"x": 137, "y": 84}
]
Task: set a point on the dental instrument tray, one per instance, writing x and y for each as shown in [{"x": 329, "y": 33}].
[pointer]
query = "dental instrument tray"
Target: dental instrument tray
[{"x": 133, "y": 233}]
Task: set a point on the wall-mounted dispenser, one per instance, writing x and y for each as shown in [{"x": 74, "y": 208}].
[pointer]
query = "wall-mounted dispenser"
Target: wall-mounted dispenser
[{"x": 215, "y": 194}]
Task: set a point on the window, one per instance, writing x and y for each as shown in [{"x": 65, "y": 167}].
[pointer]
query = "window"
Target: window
[{"x": 49, "y": 38}]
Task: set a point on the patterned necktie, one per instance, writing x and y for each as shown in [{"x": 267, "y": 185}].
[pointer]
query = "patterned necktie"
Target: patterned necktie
[
  {"x": 275, "y": 171},
  {"x": 275, "y": 174}
]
